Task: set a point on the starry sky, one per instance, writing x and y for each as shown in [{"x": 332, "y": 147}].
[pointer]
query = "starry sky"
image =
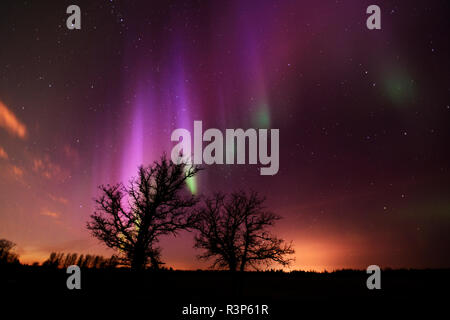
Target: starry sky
[{"x": 363, "y": 117}]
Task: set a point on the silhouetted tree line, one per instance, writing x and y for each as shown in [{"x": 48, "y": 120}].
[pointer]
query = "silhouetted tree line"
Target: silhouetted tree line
[
  {"x": 231, "y": 230},
  {"x": 61, "y": 260}
]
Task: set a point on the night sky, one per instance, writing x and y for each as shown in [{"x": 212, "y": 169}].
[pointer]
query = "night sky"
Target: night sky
[{"x": 363, "y": 117}]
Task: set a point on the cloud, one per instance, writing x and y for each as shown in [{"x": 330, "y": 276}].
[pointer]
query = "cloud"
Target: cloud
[
  {"x": 71, "y": 154},
  {"x": 48, "y": 169},
  {"x": 10, "y": 123},
  {"x": 11, "y": 172},
  {"x": 38, "y": 165},
  {"x": 17, "y": 172},
  {"x": 51, "y": 214},
  {"x": 58, "y": 199},
  {"x": 3, "y": 154}
]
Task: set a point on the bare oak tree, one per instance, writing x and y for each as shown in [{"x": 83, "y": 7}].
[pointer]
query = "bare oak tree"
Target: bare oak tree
[
  {"x": 233, "y": 231},
  {"x": 132, "y": 218}
]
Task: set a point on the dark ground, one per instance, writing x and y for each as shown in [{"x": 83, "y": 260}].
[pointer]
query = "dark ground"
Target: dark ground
[{"x": 288, "y": 295}]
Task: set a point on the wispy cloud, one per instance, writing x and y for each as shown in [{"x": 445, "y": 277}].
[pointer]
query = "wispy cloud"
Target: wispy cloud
[
  {"x": 51, "y": 214},
  {"x": 58, "y": 199},
  {"x": 18, "y": 172},
  {"x": 48, "y": 169},
  {"x": 3, "y": 154},
  {"x": 10, "y": 123},
  {"x": 71, "y": 154}
]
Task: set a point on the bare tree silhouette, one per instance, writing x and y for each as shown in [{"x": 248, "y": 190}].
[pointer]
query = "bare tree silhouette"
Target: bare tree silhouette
[
  {"x": 7, "y": 254},
  {"x": 132, "y": 219},
  {"x": 233, "y": 231}
]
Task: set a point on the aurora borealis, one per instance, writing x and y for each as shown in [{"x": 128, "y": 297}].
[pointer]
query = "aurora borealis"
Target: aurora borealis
[{"x": 363, "y": 118}]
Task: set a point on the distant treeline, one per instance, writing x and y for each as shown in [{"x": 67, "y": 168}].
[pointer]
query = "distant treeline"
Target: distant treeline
[{"x": 62, "y": 260}]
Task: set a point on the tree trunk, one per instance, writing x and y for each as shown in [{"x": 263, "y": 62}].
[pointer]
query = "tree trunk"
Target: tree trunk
[
  {"x": 138, "y": 260},
  {"x": 243, "y": 263},
  {"x": 232, "y": 265}
]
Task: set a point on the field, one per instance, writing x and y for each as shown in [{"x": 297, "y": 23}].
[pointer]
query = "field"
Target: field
[{"x": 166, "y": 293}]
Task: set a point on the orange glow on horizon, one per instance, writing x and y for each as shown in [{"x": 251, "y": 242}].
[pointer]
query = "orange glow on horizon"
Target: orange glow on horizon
[{"x": 312, "y": 255}]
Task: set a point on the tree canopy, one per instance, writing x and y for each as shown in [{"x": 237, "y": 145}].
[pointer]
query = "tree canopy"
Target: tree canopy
[
  {"x": 132, "y": 218},
  {"x": 233, "y": 231}
]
